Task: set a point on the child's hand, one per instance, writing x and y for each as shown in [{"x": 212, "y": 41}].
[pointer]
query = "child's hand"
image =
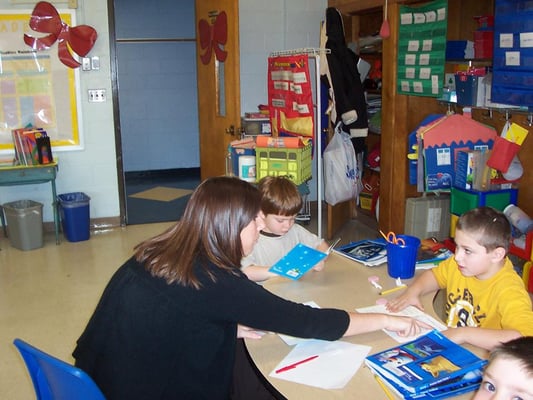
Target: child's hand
[
  {"x": 319, "y": 266},
  {"x": 403, "y": 301}
]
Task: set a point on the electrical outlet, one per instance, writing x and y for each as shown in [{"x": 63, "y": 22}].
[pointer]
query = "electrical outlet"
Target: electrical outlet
[
  {"x": 86, "y": 64},
  {"x": 97, "y": 95}
]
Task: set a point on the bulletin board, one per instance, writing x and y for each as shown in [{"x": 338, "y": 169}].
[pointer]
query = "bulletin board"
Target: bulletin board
[{"x": 35, "y": 87}]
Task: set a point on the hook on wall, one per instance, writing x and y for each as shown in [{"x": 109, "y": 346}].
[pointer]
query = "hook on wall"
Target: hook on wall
[
  {"x": 488, "y": 114},
  {"x": 507, "y": 115}
]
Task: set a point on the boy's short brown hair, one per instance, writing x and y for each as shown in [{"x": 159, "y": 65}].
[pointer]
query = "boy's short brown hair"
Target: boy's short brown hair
[
  {"x": 279, "y": 196},
  {"x": 490, "y": 226}
]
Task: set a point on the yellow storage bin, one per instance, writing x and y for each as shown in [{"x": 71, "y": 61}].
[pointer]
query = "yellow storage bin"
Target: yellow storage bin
[
  {"x": 281, "y": 161},
  {"x": 453, "y": 222},
  {"x": 365, "y": 201}
]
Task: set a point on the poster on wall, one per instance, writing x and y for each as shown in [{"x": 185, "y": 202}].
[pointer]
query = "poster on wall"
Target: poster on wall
[
  {"x": 36, "y": 88},
  {"x": 422, "y": 49}
]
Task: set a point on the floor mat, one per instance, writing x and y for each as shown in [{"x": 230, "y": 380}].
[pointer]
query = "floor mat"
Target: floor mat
[{"x": 161, "y": 193}]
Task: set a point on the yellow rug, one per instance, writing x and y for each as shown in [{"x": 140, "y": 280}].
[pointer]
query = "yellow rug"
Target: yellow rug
[{"x": 161, "y": 193}]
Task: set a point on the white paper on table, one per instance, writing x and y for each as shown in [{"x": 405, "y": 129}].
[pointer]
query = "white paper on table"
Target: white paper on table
[
  {"x": 410, "y": 311},
  {"x": 337, "y": 362},
  {"x": 291, "y": 340}
]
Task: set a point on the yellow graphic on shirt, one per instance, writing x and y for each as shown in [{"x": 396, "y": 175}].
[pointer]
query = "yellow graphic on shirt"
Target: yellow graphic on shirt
[{"x": 461, "y": 314}]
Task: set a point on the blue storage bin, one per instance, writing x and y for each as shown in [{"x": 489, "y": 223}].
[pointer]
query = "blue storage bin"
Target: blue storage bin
[{"x": 75, "y": 216}]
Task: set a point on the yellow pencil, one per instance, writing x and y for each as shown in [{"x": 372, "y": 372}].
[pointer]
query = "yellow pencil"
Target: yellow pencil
[
  {"x": 392, "y": 290},
  {"x": 385, "y": 389}
]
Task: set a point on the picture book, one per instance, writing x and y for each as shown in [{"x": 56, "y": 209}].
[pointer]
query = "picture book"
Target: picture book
[
  {"x": 297, "y": 262},
  {"x": 428, "y": 363},
  {"x": 32, "y": 146},
  {"x": 466, "y": 383},
  {"x": 431, "y": 251},
  {"x": 369, "y": 252}
]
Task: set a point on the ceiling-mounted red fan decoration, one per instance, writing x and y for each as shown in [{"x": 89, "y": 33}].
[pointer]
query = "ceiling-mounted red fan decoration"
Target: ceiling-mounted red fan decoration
[
  {"x": 214, "y": 37},
  {"x": 78, "y": 39}
]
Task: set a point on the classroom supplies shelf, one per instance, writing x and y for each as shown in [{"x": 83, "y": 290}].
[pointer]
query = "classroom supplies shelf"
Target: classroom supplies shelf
[{"x": 402, "y": 113}]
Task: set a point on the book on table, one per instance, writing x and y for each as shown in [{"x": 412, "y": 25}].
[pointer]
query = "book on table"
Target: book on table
[
  {"x": 298, "y": 261},
  {"x": 428, "y": 366},
  {"x": 431, "y": 252},
  {"x": 369, "y": 252}
]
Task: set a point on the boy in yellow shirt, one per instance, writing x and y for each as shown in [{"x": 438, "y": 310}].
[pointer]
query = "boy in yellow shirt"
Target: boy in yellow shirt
[{"x": 486, "y": 301}]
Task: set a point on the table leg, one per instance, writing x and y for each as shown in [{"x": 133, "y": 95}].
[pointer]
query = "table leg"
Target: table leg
[
  {"x": 56, "y": 211},
  {"x": 3, "y": 220}
]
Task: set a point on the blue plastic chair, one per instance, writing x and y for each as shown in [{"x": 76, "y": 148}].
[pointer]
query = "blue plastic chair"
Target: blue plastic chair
[{"x": 54, "y": 379}]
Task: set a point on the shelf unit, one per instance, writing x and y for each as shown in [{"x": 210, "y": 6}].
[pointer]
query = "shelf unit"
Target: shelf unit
[{"x": 402, "y": 113}]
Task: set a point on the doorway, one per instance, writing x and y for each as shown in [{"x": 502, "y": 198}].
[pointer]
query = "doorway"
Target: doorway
[{"x": 153, "y": 50}]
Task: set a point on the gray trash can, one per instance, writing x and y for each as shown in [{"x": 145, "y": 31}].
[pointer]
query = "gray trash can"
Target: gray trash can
[{"x": 24, "y": 224}]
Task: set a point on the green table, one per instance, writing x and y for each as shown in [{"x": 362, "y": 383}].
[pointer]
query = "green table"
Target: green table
[{"x": 29, "y": 175}]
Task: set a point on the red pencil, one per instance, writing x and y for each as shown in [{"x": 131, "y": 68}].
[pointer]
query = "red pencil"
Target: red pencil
[{"x": 294, "y": 365}]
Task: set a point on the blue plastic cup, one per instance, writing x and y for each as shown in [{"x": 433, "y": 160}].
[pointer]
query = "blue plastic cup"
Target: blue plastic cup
[{"x": 401, "y": 259}]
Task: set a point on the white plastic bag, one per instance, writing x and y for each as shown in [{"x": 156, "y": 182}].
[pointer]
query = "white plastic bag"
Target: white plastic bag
[{"x": 341, "y": 175}]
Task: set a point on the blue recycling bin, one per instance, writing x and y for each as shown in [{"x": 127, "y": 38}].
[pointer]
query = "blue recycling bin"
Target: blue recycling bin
[{"x": 75, "y": 216}]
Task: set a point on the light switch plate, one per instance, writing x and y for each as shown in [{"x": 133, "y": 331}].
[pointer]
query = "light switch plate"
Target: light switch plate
[{"x": 97, "y": 95}]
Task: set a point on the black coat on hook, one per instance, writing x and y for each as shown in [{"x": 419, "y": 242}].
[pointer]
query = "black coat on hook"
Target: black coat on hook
[{"x": 345, "y": 80}]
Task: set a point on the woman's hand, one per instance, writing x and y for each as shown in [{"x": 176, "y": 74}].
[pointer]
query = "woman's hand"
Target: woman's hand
[
  {"x": 406, "y": 326},
  {"x": 244, "y": 332}
]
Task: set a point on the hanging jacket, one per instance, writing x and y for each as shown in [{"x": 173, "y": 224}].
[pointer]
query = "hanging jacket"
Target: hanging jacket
[{"x": 344, "y": 79}]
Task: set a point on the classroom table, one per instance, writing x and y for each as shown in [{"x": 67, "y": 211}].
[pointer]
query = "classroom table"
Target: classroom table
[
  {"x": 30, "y": 175},
  {"x": 342, "y": 284}
]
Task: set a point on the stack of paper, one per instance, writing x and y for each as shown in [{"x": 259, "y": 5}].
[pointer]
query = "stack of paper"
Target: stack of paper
[{"x": 410, "y": 311}]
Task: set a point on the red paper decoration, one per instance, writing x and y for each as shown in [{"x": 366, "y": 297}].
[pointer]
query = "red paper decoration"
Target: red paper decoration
[
  {"x": 214, "y": 37},
  {"x": 46, "y": 19}
]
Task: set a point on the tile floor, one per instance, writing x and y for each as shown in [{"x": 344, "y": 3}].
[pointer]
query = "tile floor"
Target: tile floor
[{"x": 48, "y": 294}]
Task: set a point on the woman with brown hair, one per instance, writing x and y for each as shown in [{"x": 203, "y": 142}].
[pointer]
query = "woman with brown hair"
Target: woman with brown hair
[{"x": 167, "y": 324}]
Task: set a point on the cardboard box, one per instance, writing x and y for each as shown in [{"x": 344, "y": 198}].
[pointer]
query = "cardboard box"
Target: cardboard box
[{"x": 428, "y": 216}]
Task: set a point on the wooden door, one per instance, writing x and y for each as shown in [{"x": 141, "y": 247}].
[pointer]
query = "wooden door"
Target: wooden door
[{"x": 219, "y": 106}]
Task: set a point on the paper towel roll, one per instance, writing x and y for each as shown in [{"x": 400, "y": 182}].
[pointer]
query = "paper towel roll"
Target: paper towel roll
[{"x": 247, "y": 168}]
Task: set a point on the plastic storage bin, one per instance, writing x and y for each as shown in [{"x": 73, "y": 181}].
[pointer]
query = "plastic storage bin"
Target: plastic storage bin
[
  {"x": 292, "y": 162},
  {"x": 75, "y": 216},
  {"x": 463, "y": 200},
  {"x": 24, "y": 224}
]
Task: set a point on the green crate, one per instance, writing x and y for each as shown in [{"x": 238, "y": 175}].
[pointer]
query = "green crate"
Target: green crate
[
  {"x": 463, "y": 200},
  {"x": 278, "y": 161}
]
